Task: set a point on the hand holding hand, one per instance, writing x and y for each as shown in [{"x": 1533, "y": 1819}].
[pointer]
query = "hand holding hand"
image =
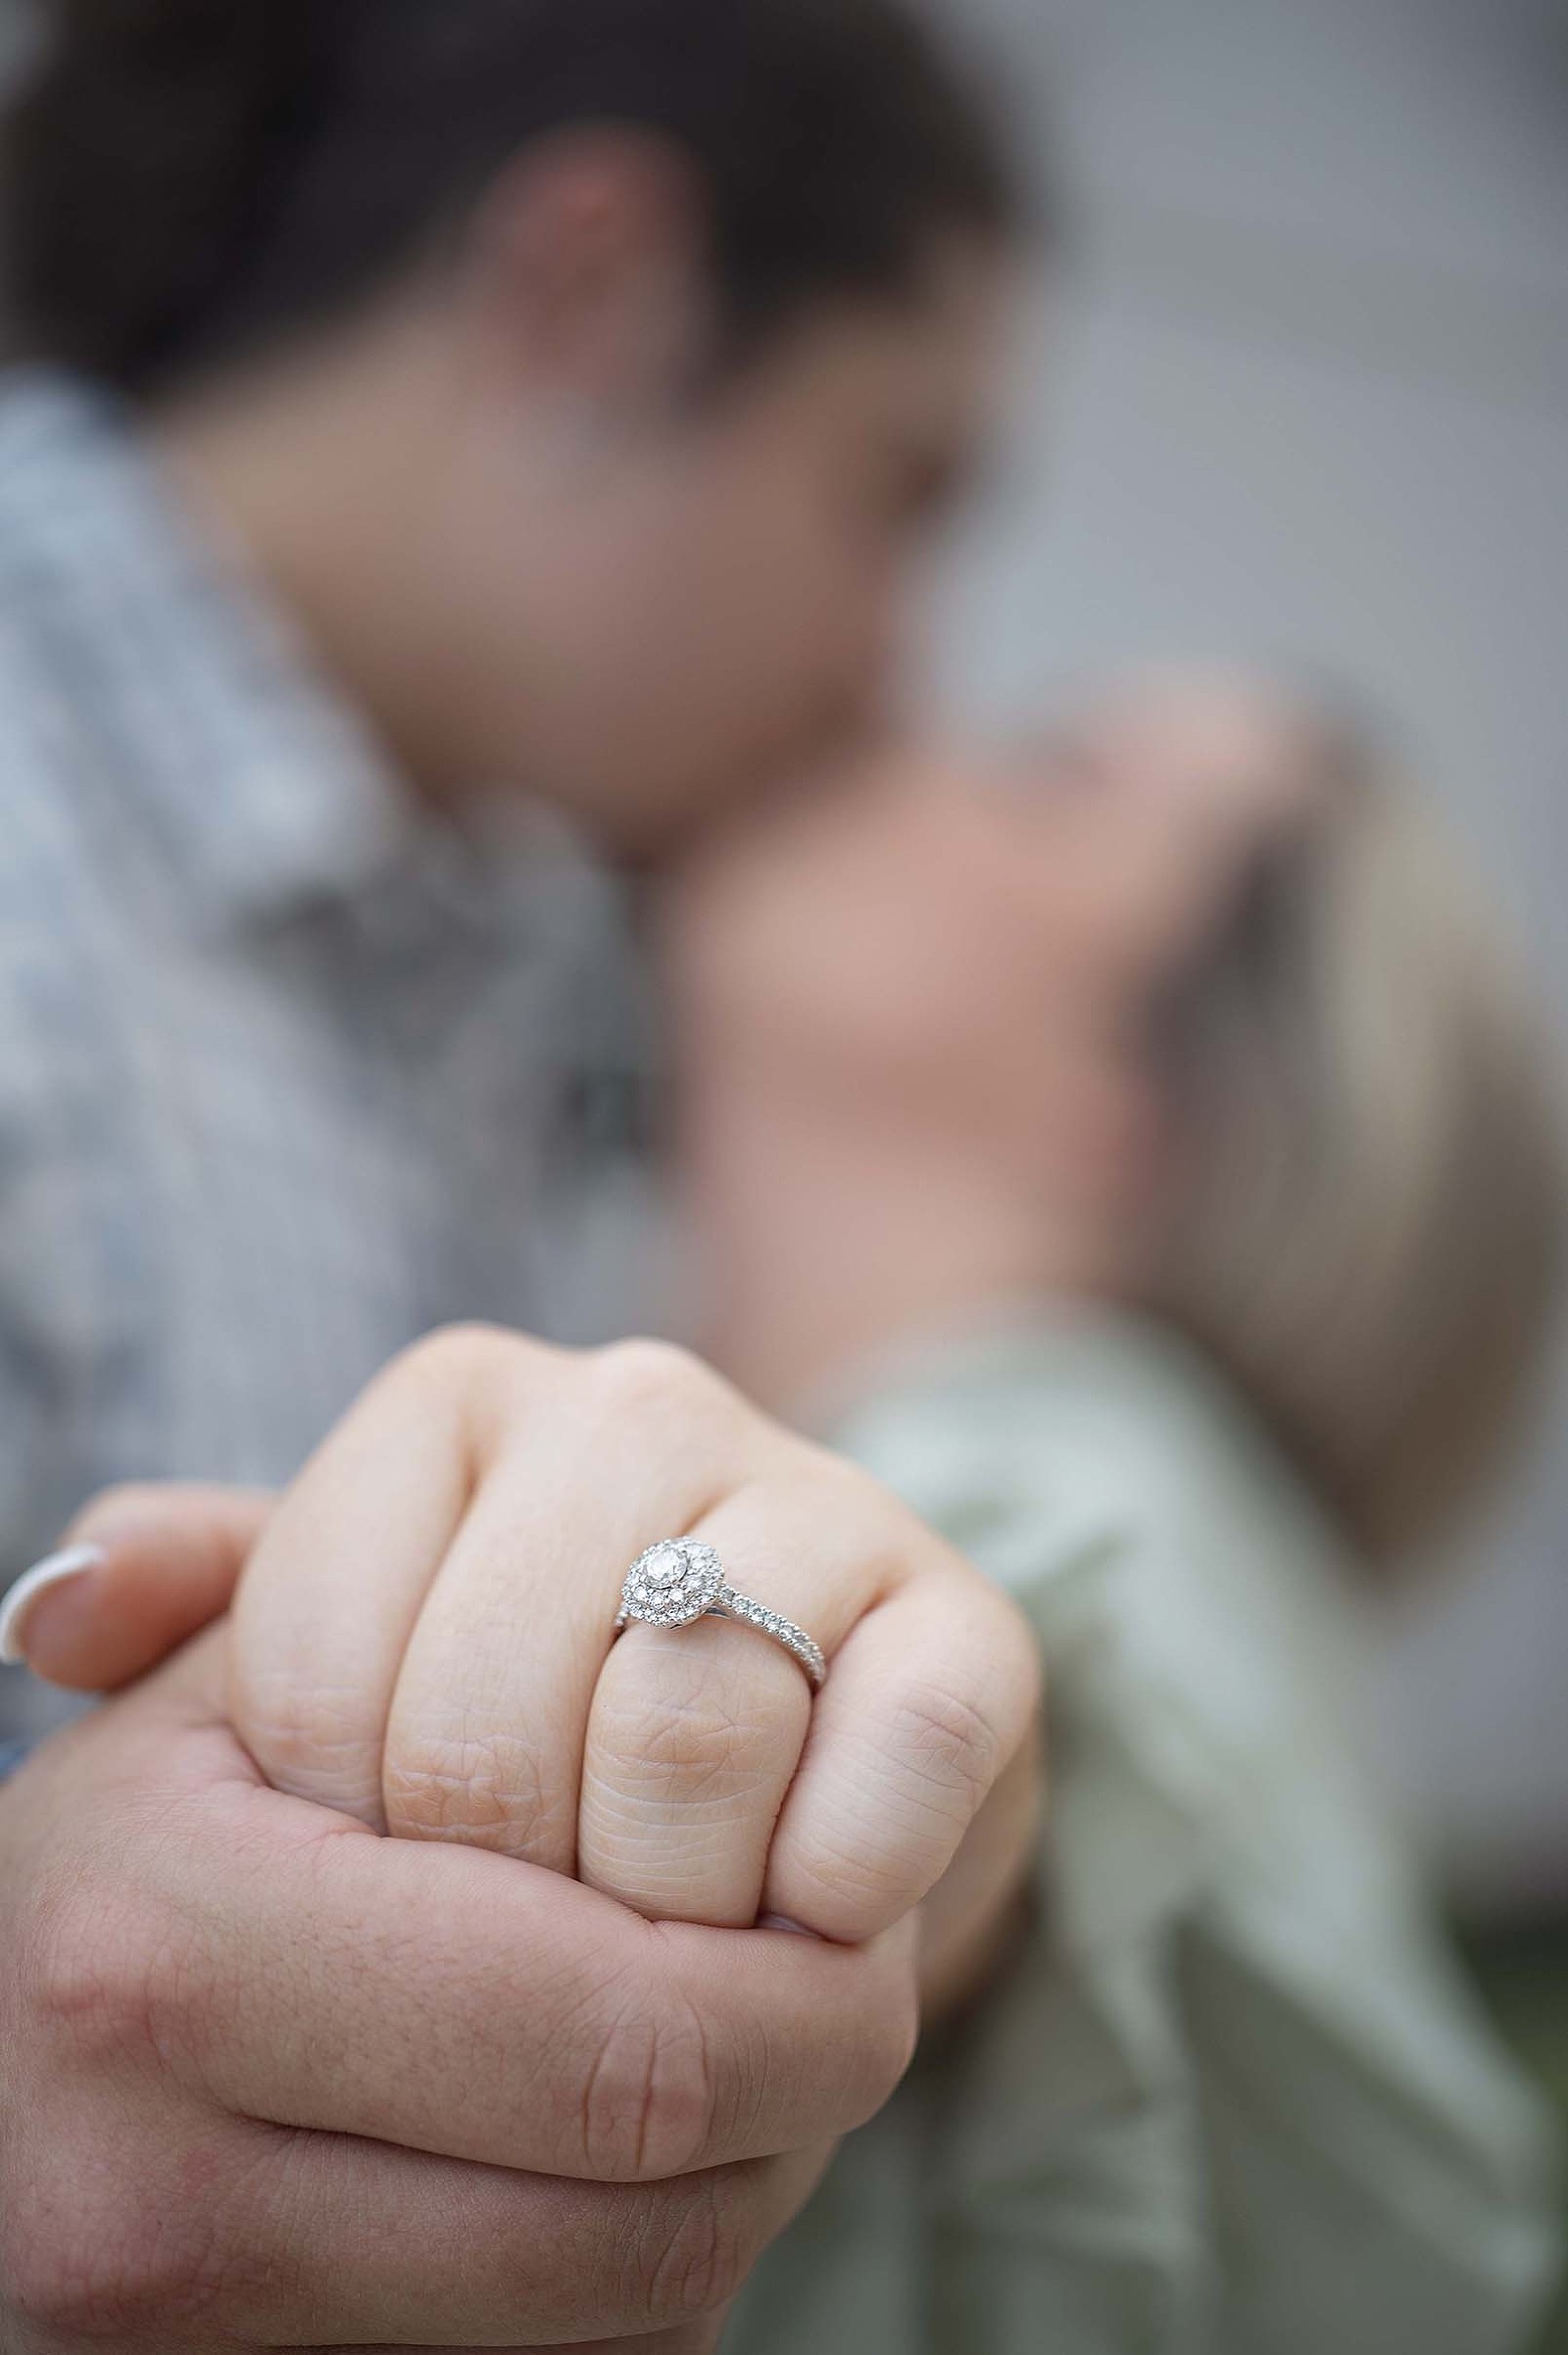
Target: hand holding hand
[
  {"x": 271, "y": 2082},
  {"x": 423, "y": 1642},
  {"x": 262, "y": 2063}
]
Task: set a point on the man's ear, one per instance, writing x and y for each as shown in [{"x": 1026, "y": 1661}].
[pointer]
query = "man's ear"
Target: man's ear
[{"x": 590, "y": 270}]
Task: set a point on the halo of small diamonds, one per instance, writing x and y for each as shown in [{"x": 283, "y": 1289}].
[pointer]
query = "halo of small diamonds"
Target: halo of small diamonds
[
  {"x": 680, "y": 1581},
  {"x": 673, "y": 1584}
]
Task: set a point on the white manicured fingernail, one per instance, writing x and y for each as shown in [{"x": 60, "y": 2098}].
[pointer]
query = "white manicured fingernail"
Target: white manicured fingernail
[{"x": 19, "y": 1603}]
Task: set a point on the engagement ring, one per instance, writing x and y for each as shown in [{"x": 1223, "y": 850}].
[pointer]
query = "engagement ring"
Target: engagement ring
[{"x": 678, "y": 1582}]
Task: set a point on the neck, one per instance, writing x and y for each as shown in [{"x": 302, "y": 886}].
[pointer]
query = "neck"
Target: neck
[
  {"x": 824, "y": 1244},
  {"x": 311, "y": 466}
]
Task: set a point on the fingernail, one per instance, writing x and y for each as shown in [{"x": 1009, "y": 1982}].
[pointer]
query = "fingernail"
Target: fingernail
[
  {"x": 18, "y": 1605},
  {"x": 778, "y": 1921}
]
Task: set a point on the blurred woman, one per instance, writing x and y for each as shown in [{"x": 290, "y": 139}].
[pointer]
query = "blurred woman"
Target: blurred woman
[{"x": 1134, "y": 1150}]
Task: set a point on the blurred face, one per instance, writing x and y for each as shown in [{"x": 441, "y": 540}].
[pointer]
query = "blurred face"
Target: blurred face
[
  {"x": 660, "y": 605},
  {"x": 549, "y": 541},
  {"x": 981, "y": 946}
]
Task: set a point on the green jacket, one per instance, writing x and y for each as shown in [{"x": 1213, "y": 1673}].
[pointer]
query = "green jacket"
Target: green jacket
[{"x": 1235, "y": 2099}]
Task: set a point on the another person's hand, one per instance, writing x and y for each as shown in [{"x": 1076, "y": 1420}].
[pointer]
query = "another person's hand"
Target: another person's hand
[{"x": 271, "y": 2081}]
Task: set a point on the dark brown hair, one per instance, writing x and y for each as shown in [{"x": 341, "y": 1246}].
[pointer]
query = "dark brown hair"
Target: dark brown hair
[{"x": 187, "y": 180}]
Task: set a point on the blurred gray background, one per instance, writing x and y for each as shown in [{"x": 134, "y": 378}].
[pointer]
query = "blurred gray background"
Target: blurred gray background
[{"x": 1306, "y": 398}]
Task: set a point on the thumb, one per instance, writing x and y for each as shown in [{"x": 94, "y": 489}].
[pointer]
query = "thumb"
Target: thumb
[{"x": 142, "y": 1570}]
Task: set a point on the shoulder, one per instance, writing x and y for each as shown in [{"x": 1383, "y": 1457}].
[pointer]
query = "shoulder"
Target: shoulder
[
  {"x": 1103, "y": 1430},
  {"x": 1145, "y": 1433},
  {"x": 1197, "y": 1610}
]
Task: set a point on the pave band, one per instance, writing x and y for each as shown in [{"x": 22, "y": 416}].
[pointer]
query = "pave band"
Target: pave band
[
  {"x": 678, "y": 1582},
  {"x": 805, "y": 1649}
]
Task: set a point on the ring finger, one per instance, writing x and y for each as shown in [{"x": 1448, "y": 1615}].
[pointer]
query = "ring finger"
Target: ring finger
[{"x": 695, "y": 1731}]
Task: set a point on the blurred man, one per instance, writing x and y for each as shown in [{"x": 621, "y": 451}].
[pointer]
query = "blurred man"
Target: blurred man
[
  {"x": 423, "y": 437},
  {"x": 434, "y": 402}
]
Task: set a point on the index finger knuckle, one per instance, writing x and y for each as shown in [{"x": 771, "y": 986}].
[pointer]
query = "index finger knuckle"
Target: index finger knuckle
[
  {"x": 657, "y": 1382},
  {"x": 468, "y": 1357}
]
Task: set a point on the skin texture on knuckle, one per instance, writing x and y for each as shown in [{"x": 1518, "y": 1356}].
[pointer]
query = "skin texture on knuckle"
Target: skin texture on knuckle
[
  {"x": 956, "y": 1728},
  {"x": 482, "y": 1791},
  {"x": 912, "y": 1778},
  {"x": 947, "y": 1746},
  {"x": 91, "y": 2256},
  {"x": 457, "y": 1353},
  {"x": 108, "y": 1974},
  {"x": 681, "y": 1790},
  {"x": 648, "y": 2099},
  {"x": 699, "y": 2245},
  {"x": 689, "y": 1738},
  {"x": 307, "y": 1739},
  {"x": 483, "y": 1376},
  {"x": 655, "y": 1388}
]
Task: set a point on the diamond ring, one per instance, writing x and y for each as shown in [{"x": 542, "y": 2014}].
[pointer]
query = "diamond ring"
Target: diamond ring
[{"x": 678, "y": 1582}]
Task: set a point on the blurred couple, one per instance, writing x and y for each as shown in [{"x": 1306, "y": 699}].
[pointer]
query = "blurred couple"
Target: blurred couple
[{"x": 1127, "y": 1148}]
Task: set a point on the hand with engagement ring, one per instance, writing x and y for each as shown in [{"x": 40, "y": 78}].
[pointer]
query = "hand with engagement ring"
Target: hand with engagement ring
[{"x": 796, "y": 1708}]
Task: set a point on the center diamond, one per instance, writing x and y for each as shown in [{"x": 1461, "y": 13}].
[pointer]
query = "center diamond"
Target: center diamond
[{"x": 672, "y": 1583}]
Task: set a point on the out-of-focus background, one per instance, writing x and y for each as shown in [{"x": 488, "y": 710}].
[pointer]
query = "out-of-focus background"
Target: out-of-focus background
[{"x": 1309, "y": 403}]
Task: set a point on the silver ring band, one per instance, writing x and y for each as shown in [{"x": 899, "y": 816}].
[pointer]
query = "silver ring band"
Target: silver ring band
[{"x": 678, "y": 1582}]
